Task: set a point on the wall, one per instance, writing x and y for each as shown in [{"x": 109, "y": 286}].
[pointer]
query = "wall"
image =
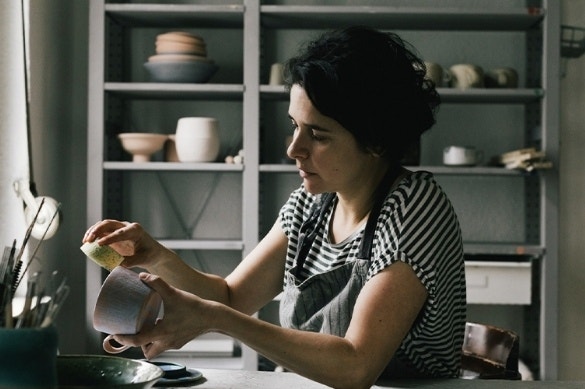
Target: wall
[
  {"x": 58, "y": 121},
  {"x": 572, "y": 209},
  {"x": 13, "y": 145}
]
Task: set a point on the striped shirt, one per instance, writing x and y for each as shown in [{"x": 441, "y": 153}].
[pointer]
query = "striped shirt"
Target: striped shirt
[{"x": 418, "y": 226}]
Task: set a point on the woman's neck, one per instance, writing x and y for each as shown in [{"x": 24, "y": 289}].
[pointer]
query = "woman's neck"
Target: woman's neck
[{"x": 351, "y": 212}]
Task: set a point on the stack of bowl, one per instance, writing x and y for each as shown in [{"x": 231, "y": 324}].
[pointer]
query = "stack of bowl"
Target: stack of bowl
[{"x": 180, "y": 57}]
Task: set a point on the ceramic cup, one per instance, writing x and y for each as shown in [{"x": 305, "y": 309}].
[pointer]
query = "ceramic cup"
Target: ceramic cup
[
  {"x": 501, "y": 78},
  {"x": 276, "y": 74},
  {"x": 125, "y": 305},
  {"x": 28, "y": 358},
  {"x": 435, "y": 73},
  {"x": 197, "y": 139},
  {"x": 461, "y": 156},
  {"x": 466, "y": 76}
]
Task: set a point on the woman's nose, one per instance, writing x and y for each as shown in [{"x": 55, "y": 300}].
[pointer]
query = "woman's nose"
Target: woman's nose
[{"x": 296, "y": 149}]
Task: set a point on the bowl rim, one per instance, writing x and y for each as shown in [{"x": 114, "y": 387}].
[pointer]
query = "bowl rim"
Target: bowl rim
[
  {"x": 156, "y": 375},
  {"x": 178, "y": 57},
  {"x": 158, "y": 64},
  {"x": 141, "y": 135}
]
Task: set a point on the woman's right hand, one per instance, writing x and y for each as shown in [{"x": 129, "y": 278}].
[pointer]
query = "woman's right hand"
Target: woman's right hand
[{"x": 128, "y": 239}]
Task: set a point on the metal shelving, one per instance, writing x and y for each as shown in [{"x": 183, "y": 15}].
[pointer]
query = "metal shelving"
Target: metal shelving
[
  {"x": 448, "y": 95},
  {"x": 439, "y": 18},
  {"x": 176, "y": 15},
  {"x": 161, "y": 91}
]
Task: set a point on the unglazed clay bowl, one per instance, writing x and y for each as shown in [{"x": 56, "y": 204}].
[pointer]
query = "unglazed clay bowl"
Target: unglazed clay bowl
[{"x": 142, "y": 145}]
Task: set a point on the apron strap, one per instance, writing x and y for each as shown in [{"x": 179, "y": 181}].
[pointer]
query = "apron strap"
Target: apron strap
[
  {"x": 365, "y": 249},
  {"x": 309, "y": 228}
]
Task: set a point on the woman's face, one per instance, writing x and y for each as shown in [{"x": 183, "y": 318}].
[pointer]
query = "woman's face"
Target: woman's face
[{"x": 327, "y": 155}]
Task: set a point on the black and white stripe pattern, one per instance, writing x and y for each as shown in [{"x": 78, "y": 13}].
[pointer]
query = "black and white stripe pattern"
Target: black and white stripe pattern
[{"x": 418, "y": 226}]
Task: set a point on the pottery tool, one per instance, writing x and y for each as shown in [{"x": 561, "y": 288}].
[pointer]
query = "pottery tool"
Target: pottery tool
[
  {"x": 31, "y": 291},
  {"x": 57, "y": 210},
  {"x": 105, "y": 256},
  {"x": 6, "y": 267},
  {"x": 18, "y": 265},
  {"x": 55, "y": 304}
]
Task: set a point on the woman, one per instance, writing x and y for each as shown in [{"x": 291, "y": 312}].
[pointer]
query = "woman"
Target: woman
[{"x": 368, "y": 255}]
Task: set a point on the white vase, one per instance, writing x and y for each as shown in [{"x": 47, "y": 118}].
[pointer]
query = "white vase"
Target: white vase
[{"x": 197, "y": 139}]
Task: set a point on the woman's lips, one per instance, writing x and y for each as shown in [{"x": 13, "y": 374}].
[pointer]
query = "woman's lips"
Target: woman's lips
[{"x": 304, "y": 174}]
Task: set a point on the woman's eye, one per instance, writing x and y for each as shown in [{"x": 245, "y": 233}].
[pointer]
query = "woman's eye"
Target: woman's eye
[{"x": 317, "y": 137}]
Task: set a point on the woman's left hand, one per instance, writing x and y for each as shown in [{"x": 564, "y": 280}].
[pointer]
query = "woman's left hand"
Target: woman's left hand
[{"x": 184, "y": 319}]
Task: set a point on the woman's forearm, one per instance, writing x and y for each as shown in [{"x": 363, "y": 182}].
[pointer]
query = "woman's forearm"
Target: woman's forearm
[
  {"x": 329, "y": 359},
  {"x": 171, "y": 268}
]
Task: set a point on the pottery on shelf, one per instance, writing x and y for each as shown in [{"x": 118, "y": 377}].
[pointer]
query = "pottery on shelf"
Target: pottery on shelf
[{"x": 142, "y": 145}]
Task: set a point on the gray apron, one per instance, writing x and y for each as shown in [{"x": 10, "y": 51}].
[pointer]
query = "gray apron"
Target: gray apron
[{"x": 325, "y": 302}]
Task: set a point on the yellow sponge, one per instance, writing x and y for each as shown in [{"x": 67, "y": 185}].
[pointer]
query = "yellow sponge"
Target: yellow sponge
[{"x": 105, "y": 256}]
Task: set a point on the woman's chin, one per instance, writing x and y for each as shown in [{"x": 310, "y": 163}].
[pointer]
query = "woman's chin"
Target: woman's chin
[{"x": 312, "y": 188}]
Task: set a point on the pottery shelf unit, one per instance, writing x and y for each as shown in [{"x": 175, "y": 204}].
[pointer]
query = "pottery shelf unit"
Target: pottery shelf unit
[{"x": 509, "y": 217}]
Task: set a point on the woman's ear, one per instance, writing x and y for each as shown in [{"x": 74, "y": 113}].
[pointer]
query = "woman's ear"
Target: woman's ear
[{"x": 377, "y": 151}]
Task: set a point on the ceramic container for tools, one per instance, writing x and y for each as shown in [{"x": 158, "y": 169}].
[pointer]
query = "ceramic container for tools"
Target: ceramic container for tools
[{"x": 28, "y": 358}]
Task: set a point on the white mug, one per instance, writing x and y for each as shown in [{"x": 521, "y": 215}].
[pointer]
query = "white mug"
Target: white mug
[
  {"x": 125, "y": 305},
  {"x": 465, "y": 76},
  {"x": 461, "y": 156},
  {"x": 197, "y": 139},
  {"x": 276, "y": 74}
]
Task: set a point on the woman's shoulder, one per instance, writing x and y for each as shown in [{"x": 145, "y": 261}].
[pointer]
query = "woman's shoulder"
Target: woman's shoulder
[
  {"x": 420, "y": 177},
  {"x": 300, "y": 198},
  {"x": 299, "y": 204},
  {"x": 417, "y": 197},
  {"x": 415, "y": 184}
]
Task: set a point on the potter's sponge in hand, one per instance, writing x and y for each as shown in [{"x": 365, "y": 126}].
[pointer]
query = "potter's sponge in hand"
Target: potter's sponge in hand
[{"x": 105, "y": 256}]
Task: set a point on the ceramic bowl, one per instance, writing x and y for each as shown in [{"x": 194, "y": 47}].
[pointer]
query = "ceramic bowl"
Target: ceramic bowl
[
  {"x": 142, "y": 145},
  {"x": 178, "y": 58},
  {"x": 180, "y": 36},
  {"x": 197, "y": 72},
  {"x": 96, "y": 371},
  {"x": 169, "y": 47}
]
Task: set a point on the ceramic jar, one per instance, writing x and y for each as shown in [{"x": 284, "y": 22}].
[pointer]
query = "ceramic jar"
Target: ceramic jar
[{"x": 197, "y": 139}]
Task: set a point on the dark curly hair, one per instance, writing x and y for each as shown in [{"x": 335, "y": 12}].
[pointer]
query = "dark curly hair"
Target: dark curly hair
[{"x": 371, "y": 82}]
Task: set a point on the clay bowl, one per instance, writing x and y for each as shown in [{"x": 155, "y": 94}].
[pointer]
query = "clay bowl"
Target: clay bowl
[
  {"x": 178, "y": 58},
  {"x": 180, "y": 36},
  {"x": 96, "y": 371},
  {"x": 181, "y": 71},
  {"x": 142, "y": 145},
  {"x": 169, "y": 47}
]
